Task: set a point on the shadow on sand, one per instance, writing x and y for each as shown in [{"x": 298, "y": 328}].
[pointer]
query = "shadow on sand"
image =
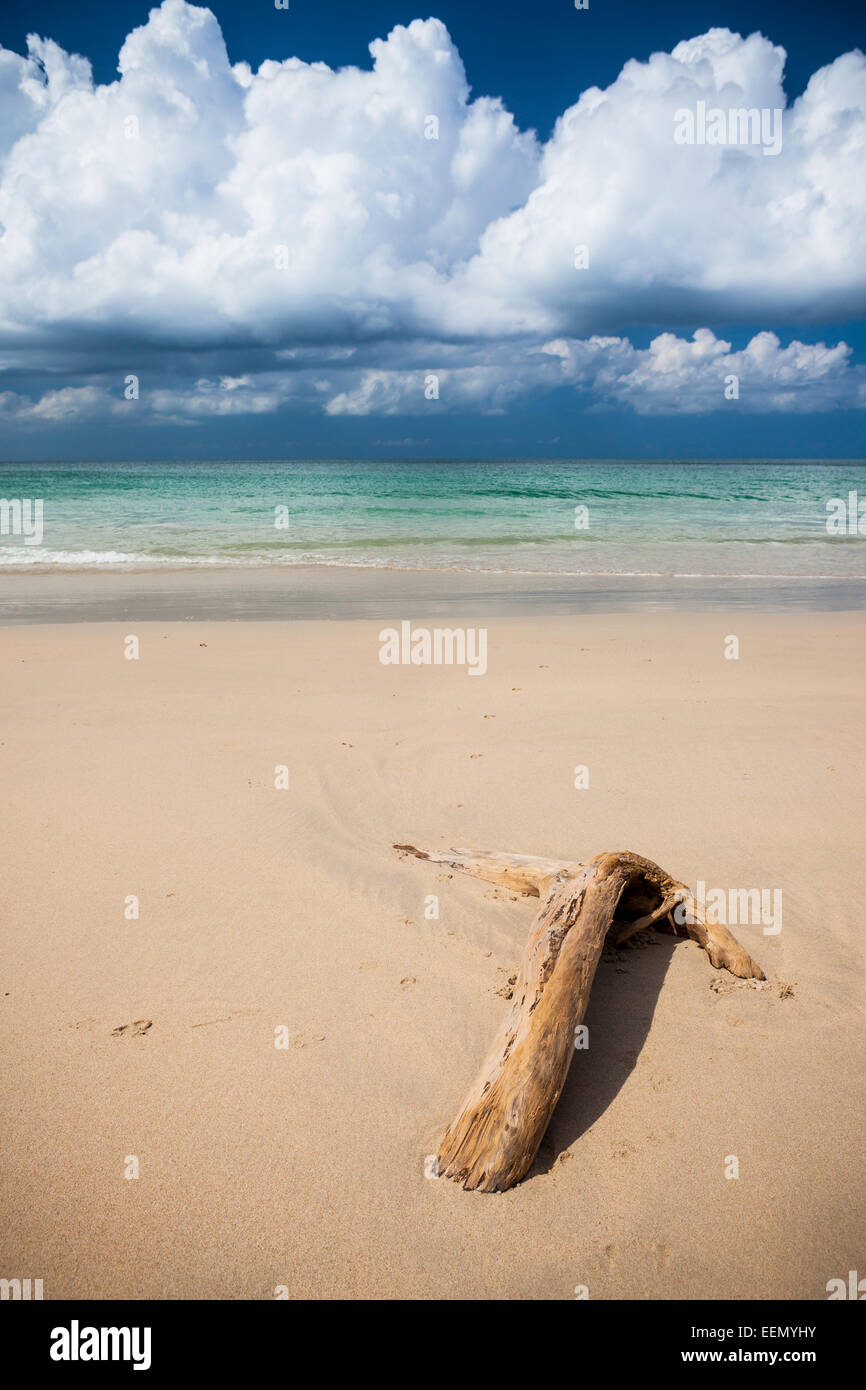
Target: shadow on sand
[{"x": 621, "y": 1008}]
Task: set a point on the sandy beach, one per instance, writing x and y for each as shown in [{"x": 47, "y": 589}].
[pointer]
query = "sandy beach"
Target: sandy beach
[{"x": 148, "y": 1044}]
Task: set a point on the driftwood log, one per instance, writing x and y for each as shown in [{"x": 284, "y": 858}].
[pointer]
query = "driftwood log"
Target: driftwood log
[{"x": 493, "y": 1141}]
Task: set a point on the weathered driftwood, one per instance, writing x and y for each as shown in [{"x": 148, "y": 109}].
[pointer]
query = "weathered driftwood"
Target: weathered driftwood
[{"x": 493, "y": 1140}]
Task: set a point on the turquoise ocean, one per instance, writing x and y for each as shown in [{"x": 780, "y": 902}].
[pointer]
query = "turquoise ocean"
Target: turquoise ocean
[{"x": 748, "y": 519}]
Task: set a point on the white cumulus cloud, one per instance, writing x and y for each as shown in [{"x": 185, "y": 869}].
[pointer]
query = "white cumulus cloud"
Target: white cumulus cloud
[{"x": 316, "y": 231}]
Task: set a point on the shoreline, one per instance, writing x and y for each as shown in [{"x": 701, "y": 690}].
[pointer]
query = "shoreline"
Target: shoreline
[{"x": 323, "y": 592}]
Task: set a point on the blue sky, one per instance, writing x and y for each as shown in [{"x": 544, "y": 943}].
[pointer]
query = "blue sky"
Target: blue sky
[
  {"x": 144, "y": 224},
  {"x": 534, "y": 56}
]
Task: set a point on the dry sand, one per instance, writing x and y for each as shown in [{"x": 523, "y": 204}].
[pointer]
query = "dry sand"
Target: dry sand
[{"x": 303, "y": 1167}]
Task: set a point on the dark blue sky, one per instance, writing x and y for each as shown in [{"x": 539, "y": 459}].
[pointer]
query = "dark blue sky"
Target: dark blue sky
[{"x": 538, "y": 58}]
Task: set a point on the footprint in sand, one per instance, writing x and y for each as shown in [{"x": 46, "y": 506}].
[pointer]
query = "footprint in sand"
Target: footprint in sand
[{"x": 132, "y": 1030}]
